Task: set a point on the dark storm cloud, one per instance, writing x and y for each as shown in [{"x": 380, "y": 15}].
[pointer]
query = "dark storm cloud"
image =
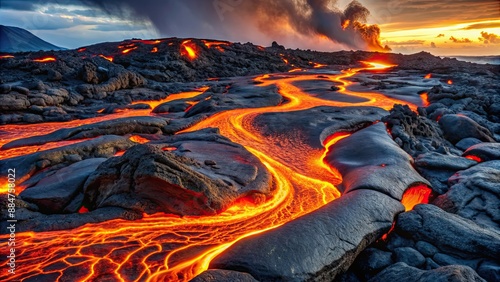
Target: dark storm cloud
[{"x": 221, "y": 18}]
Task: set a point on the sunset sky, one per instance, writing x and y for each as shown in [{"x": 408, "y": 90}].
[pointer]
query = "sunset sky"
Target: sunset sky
[{"x": 447, "y": 27}]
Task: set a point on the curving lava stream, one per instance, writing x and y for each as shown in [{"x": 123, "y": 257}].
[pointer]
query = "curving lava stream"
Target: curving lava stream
[{"x": 164, "y": 247}]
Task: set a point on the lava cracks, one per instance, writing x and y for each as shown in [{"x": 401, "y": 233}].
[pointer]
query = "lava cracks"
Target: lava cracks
[{"x": 247, "y": 184}]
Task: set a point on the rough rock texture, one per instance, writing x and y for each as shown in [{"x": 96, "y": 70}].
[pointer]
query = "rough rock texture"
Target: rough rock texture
[
  {"x": 438, "y": 168},
  {"x": 150, "y": 179},
  {"x": 484, "y": 151},
  {"x": 218, "y": 275},
  {"x": 450, "y": 232},
  {"x": 53, "y": 193},
  {"x": 475, "y": 194},
  {"x": 453, "y": 273},
  {"x": 324, "y": 242},
  {"x": 370, "y": 159},
  {"x": 314, "y": 125},
  {"x": 457, "y": 127},
  {"x": 413, "y": 133}
]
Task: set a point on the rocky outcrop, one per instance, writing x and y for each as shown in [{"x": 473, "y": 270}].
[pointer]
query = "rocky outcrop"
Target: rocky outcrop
[{"x": 192, "y": 174}]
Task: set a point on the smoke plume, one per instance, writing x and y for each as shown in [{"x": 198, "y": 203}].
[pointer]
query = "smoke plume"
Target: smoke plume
[{"x": 274, "y": 18}]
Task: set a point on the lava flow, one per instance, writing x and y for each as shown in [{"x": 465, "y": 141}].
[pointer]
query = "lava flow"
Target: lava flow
[{"x": 163, "y": 247}]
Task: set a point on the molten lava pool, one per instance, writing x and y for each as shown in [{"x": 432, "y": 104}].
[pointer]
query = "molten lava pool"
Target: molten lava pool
[{"x": 163, "y": 247}]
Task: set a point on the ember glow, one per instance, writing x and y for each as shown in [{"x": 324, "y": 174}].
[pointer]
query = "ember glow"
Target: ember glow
[
  {"x": 427, "y": 76},
  {"x": 125, "y": 51},
  {"x": 45, "y": 60},
  {"x": 109, "y": 58},
  {"x": 6, "y": 56},
  {"x": 450, "y": 82},
  {"x": 189, "y": 49},
  {"x": 163, "y": 247},
  {"x": 416, "y": 195}
]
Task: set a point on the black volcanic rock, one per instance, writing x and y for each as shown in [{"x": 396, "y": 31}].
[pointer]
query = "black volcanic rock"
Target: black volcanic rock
[
  {"x": 458, "y": 127},
  {"x": 53, "y": 193},
  {"x": 314, "y": 125},
  {"x": 121, "y": 126},
  {"x": 317, "y": 246},
  {"x": 449, "y": 232},
  {"x": 438, "y": 168},
  {"x": 237, "y": 97},
  {"x": 370, "y": 159},
  {"x": 484, "y": 151},
  {"x": 214, "y": 275},
  {"x": 412, "y": 132},
  {"x": 452, "y": 273},
  {"x": 150, "y": 179},
  {"x": 475, "y": 194}
]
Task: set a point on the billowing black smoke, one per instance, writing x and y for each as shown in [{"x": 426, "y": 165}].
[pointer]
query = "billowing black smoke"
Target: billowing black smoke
[{"x": 224, "y": 18}]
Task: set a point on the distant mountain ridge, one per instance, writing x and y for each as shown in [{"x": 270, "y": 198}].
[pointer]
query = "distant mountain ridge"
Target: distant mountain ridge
[{"x": 15, "y": 39}]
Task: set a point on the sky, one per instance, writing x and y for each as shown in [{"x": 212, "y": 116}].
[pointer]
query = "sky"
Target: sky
[{"x": 444, "y": 28}]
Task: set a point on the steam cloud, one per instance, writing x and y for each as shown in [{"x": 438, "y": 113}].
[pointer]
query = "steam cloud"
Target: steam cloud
[{"x": 222, "y": 18}]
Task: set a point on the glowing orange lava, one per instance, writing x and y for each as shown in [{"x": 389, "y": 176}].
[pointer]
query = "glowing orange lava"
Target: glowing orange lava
[
  {"x": 6, "y": 56},
  {"x": 163, "y": 247},
  {"x": 138, "y": 139},
  {"x": 450, "y": 82},
  {"x": 209, "y": 44},
  {"x": 81, "y": 49},
  {"x": 474, "y": 158},
  {"x": 189, "y": 49},
  {"x": 45, "y": 60},
  {"x": 425, "y": 99},
  {"x": 125, "y": 51},
  {"x": 416, "y": 195},
  {"x": 318, "y": 65},
  {"x": 428, "y": 76},
  {"x": 109, "y": 58},
  {"x": 154, "y": 50}
]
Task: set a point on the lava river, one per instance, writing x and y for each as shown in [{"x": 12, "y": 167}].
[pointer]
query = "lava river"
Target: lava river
[{"x": 162, "y": 247}]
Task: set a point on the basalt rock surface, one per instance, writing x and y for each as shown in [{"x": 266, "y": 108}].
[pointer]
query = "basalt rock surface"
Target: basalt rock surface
[{"x": 190, "y": 175}]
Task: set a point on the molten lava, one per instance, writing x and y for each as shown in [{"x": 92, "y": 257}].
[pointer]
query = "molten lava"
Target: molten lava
[
  {"x": 450, "y": 82},
  {"x": 189, "y": 49},
  {"x": 425, "y": 99},
  {"x": 416, "y": 195},
  {"x": 154, "y": 50},
  {"x": 162, "y": 247},
  {"x": 109, "y": 58},
  {"x": 125, "y": 51},
  {"x": 377, "y": 65},
  {"x": 6, "y": 56},
  {"x": 474, "y": 158},
  {"x": 45, "y": 60},
  {"x": 428, "y": 76},
  {"x": 81, "y": 49}
]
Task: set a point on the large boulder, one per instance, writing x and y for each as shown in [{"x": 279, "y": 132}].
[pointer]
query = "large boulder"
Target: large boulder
[
  {"x": 187, "y": 176},
  {"x": 458, "y": 127},
  {"x": 53, "y": 193},
  {"x": 475, "y": 194},
  {"x": 453, "y": 273},
  {"x": 449, "y": 232}
]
